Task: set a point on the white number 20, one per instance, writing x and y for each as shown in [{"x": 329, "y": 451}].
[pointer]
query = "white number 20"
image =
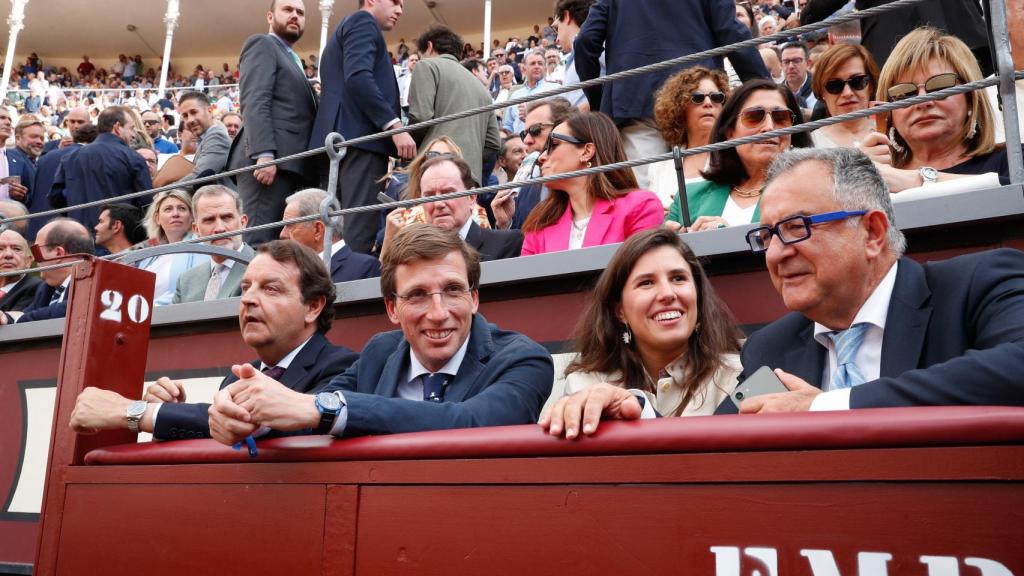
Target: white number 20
[{"x": 138, "y": 307}]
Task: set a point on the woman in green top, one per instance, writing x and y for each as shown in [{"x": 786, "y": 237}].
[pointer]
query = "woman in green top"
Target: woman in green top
[{"x": 735, "y": 176}]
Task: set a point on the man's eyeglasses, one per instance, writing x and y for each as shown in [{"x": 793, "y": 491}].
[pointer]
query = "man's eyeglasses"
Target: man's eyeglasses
[
  {"x": 715, "y": 97},
  {"x": 535, "y": 130},
  {"x": 906, "y": 90},
  {"x": 792, "y": 61},
  {"x": 419, "y": 299},
  {"x": 150, "y": 122},
  {"x": 754, "y": 117},
  {"x": 560, "y": 137},
  {"x": 793, "y": 229},
  {"x": 858, "y": 82}
]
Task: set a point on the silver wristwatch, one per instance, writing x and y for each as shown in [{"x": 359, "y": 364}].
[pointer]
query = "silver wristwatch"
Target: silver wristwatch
[
  {"x": 136, "y": 410},
  {"x": 928, "y": 174}
]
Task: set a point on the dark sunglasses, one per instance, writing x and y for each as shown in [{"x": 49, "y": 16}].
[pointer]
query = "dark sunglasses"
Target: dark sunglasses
[
  {"x": 561, "y": 137},
  {"x": 150, "y": 122},
  {"x": 534, "y": 130},
  {"x": 715, "y": 97},
  {"x": 858, "y": 82},
  {"x": 754, "y": 117},
  {"x": 906, "y": 90}
]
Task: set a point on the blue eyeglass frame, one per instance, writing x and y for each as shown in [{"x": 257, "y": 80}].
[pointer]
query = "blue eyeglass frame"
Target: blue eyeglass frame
[{"x": 757, "y": 247}]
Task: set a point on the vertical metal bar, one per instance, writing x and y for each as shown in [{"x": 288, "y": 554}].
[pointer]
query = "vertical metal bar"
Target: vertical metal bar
[
  {"x": 684, "y": 202},
  {"x": 1007, "y": 89},
  {"x": 487, "y": 29},
  {"x": 15, "y": 23},
  {"x": 335, "y": 154},
  {"x": 171, "y": 22}
]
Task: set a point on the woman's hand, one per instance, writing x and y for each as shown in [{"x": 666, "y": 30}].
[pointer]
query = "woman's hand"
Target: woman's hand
[
  {"x": 876, "y": 146},
  {"x": 703, "y": 223}
]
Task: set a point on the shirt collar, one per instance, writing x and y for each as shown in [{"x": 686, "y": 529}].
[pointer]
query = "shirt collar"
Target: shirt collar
[
  {"x": 874, "y": 311},
  {"x": 464, "y": 231},
  {"x": 335, "y": 248},
  {"x": 285, "y": 362},
  {"x": 451, "y": 368}
]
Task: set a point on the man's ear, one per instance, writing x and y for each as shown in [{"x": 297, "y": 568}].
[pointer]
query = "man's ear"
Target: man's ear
[
  {"x": 877, "y": 225},
  {"x": 390, "y": 306},
  {"x": 117, "y": 226}
]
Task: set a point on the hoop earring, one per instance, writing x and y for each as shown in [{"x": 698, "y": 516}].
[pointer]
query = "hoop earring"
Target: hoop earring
[
  {"x": 896, "y": 146},
  {"x": 627, "y": 336},
  {"x": 590, "y": 164}
]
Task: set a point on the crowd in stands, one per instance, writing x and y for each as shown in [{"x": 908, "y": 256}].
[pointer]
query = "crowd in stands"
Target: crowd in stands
[{"x": 656, "y": 339}]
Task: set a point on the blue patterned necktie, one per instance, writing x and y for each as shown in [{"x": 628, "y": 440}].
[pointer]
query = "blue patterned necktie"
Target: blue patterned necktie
[
  {"x": 57, "y": 292},
  {"x": 847, "y": 343},
  {"x": 433, "y": 387}
]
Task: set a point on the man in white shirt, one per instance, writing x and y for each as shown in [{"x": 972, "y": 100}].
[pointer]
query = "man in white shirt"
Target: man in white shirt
[{"x": 345, "y": 264}]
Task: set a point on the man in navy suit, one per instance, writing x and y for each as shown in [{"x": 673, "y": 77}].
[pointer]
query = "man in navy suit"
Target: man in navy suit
[
  {"x": 60, "y": 237},
  {"x": 21, "y": 162},
  {"x": 345, "y": 264},
  {"x": 359, "y": 97},
  {"x": 46, "y": 171},
  {"x": 16, "y": 292},
  {"x": 870, "y": 328},
  {"x": 285, "y": 311},
  {"x": 446, "y": 367},
  {"x": 631, "y": 37},
  {"x": 279, "y": 106}
]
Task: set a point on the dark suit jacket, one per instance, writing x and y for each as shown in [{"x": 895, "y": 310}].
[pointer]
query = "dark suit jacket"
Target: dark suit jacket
[
  {"x": 40, "y": 308},
  {"x": 314, "y": 366},
  {"x": 529, "y": 197},
  {"x": 279, "y": 104},
  {"x": 21, "y": 296},
  {"x": 46, "y": 171},
  {"x": 961, "y": 18},
  {"x": 631, "y": 37},
  {"x": 348, "y": 265},
  {"x": 359, "y": 90},
  {"x": 504, "y": 379},
  {"x": 495, "y": 244},
  {"x": 954, "y": 335},
  {"x": 19, "y": 164}
]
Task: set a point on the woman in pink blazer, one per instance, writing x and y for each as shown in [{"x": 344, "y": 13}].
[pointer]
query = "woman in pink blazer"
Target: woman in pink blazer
[{"x": 603, "y": 208}]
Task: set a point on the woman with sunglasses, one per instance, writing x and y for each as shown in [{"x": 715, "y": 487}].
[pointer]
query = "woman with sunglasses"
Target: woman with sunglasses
[
  {"x": 653, "y": 326},
  {"x": 602, "y": 208},
  {"x": 735, "y": 176},
  {"x": 845, "y": 77},
  {"x": 938, "y": 140},
  {"x": 685, "y": 109}
]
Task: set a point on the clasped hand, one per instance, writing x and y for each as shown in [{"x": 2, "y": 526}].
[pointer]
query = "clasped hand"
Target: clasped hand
[{"x": 257, "y": 400}]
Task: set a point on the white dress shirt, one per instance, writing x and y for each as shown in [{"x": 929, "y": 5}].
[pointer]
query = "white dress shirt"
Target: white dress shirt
[
  {"x": 335, "y": 248},
  {"x": 869, "y": 356}
]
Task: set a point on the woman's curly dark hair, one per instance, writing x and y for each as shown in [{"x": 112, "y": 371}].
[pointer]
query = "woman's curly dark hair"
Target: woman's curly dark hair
[{"x": 674, "y": 97}]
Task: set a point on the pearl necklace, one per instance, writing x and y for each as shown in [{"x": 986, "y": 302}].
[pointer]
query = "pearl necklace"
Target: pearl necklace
[
  {"x": 750, "y": 193},
  {"x": 578, "y": 230}
]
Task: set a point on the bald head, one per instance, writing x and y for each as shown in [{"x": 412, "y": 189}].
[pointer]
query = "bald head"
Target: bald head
[
  {"x": 62, "y": 237},
  {"x": 77, "y": 118}
]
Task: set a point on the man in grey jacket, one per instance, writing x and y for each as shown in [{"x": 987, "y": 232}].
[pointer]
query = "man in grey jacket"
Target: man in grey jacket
[{"x": 212, "y": 155}]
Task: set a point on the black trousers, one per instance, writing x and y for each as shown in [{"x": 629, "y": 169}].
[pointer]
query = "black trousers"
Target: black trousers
[
  {"x": 265, "y": 204},
  {"x": 359, "y": 182}
]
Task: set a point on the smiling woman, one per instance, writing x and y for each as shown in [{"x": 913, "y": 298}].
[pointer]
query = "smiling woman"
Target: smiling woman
[{"x": 654, "y": 325}]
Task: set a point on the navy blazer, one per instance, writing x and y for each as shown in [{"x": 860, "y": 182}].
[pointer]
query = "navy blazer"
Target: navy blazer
[
  {"x": 313, "y": 367},
  {"x": 46, "y": 171},
  {"x": 348, "y": 265},
  {"x": 663, "y": 29},
  {"x": 504, "y": 379},
  {"x": 954, "y": 335},
  {"x": 21, "y": 296},
  {"x": 41, "y": 309},
  {"x": 494, "y": 244},
  {"x": 19, "y": 164},
  {"x": 359, "y": 89}
]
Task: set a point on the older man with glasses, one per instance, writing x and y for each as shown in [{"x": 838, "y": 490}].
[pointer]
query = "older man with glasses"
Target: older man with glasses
[{"x": 869, "y": 327}]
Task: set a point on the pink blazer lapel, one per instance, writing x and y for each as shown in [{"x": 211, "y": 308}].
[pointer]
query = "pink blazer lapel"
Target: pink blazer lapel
[{"x": 600, "y": 225}]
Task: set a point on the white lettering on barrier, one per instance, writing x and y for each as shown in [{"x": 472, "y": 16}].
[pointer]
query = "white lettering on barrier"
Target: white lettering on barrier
[
  {"x": 138, "y": 307},
  {"x": 764, "y": 562}
]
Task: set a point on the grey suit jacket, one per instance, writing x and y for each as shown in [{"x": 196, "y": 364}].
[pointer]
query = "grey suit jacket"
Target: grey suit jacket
[
  {"x": 192, "y": 282},
  {"x": 441, "y": 86},
  {"x": 212, "y": 154},
  {"x": 278, "y": 103}
]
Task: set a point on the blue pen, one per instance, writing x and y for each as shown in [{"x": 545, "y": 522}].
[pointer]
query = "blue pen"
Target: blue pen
[{"x": 250, "y": 443}]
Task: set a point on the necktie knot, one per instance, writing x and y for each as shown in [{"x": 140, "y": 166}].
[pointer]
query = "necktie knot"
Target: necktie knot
[
  {"x": 433, "y": 387},
  {"x": 57, "y": 293},
  {"x": 847, "y": 343},
  {"x": 274, "y": 372}
]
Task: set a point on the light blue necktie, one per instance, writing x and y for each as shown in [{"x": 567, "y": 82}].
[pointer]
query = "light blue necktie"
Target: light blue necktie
[
  {"x": 433, "y": 387},
  {"x": 57, "y": 293},
  {"x": 847, "y": 343}
]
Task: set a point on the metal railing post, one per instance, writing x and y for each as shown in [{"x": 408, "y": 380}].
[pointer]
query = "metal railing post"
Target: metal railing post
[
  {"x": 331, "y": 223},
  {"x": 335, "y": 155},
  {"x": 1007, "y": 89}
]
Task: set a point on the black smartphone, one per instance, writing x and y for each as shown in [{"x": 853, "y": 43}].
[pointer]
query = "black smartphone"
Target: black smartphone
[{"x": 763, "y": 381}]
